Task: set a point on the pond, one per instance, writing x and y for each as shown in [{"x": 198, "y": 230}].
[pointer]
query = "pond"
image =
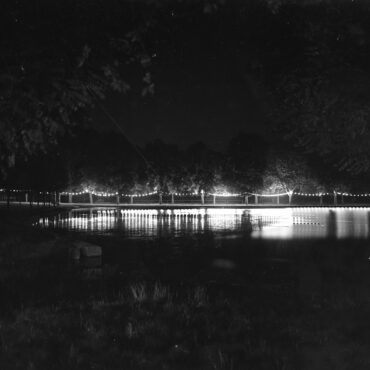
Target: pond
[
  {"x": 280, "y": 247},
  {"x": 260, "y": 223},
  {"x": 245, "y": 244}
]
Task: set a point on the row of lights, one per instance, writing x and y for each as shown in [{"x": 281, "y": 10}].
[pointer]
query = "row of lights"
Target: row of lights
[
  {"x": 106, "y": 194},
  {"x": 25, "y": 191},
  {"x": 355, "y": 195},
  {"x": 338, "y": 193},
  {"x": 225, "y": 194},
  {"x": 313, "y": 194},
  {"x": 273, "y": 195}
]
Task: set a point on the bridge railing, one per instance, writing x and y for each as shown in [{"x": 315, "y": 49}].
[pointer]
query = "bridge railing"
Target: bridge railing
[
  {"x": 172, "y": 198},
  {"x": 15, "y": 196}
]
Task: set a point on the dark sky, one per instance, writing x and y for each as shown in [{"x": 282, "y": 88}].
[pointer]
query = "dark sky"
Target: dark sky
[
  {"x": 210, "y": 104},
  {"x": 214, "y": 72},
  {"x": 204, "y": 87}
]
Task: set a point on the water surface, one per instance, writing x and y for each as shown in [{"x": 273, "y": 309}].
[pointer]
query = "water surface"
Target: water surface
[{"x": 264, "y": 223}]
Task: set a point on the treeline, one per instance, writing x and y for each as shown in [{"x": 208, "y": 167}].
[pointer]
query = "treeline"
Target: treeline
[{"x": 108, "y": 162}]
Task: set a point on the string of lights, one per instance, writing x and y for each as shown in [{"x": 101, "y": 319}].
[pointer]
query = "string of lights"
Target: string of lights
[
  {"x": 313, "y": 194},
  {"x": 140, "y": 195},
  {"x": 107, "y": 194},
  {"x": 330, "y": 194},
  {"x": 272, "y": 195},
  {"x": 227, "y": 194},
  {"x": 184, "y": 194},
  {"x": 25, "y": 191},
  {"x": 15, "y": 190},
  {"x": 74, "y": 193},
  {"x": 355, "y": 195}
]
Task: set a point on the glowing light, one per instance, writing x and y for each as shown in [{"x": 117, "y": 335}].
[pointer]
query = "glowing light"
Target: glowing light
[
  {"x": 139, "y": 195},
  {"x": 284, "y": 223},
  {"x": 270, "y": 195},
  {"x": 226, "y": 194}
]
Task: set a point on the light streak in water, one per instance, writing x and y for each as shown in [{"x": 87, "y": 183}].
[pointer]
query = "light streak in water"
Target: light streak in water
[{"x": 266, "y": 223}]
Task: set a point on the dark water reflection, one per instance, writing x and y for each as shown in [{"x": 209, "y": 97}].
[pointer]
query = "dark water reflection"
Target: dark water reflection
[{"x": 273, "y": 223}]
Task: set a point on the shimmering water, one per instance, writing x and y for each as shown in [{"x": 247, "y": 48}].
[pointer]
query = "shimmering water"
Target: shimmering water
[{"x": 263, "y": 223}]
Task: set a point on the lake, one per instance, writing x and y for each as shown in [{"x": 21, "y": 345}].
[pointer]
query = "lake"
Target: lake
[
  {"x": 303, "y": 248},
  {"x": 260, "y": 223}
]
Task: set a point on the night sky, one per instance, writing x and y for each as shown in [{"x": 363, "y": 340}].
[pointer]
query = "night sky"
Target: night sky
[
  {"x": 207, "y": 72},
  {"x": 215, "y": 71},
  {"x": 210, "y": 104}
]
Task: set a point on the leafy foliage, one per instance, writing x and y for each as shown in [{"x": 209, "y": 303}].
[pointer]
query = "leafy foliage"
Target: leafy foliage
[
  {"x": 333, "y": 123},
  {"x": 322, "y": 100},
  {"x": 288, "y": 171},
  {"x": 56, "y": 64}
]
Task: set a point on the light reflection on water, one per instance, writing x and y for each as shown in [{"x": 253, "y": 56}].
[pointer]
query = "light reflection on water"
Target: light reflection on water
[{"x": 264, "y": 223}]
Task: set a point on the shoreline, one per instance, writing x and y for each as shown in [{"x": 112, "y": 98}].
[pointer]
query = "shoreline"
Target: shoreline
[{"x": 181, "y": 205}]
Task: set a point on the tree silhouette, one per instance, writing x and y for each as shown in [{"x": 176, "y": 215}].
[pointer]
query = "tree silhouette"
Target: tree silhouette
[{"x": 60, "y": 58}]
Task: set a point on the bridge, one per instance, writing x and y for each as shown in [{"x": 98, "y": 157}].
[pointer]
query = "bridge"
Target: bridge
[{"x": 88, "y": 199}]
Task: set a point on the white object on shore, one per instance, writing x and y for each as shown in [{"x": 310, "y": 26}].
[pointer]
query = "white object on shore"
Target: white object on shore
[
  {"x": 85, "y": 249},
  {"x": 224, "y": 264}
]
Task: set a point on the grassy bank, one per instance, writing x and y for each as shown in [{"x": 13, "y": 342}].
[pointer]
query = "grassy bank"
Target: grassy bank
[
  {"x": 160, "y": 327},
  {"x": 19, "y": 239}
]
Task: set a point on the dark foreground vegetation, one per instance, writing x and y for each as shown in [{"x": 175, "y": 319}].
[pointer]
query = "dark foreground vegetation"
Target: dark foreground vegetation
[{"x": 202, "y": 302}]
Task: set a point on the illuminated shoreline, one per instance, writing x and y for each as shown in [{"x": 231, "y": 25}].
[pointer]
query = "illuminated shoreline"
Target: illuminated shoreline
[
  {"x": 261, "y": 223},
  {"x": 79, "y": 206},
  {"x": 206, "y": 205}
]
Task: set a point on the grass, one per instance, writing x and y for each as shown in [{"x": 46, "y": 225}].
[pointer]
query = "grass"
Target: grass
[
  {"x": 173, "y": 329},
  {"x": 160, "y": 331}
]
